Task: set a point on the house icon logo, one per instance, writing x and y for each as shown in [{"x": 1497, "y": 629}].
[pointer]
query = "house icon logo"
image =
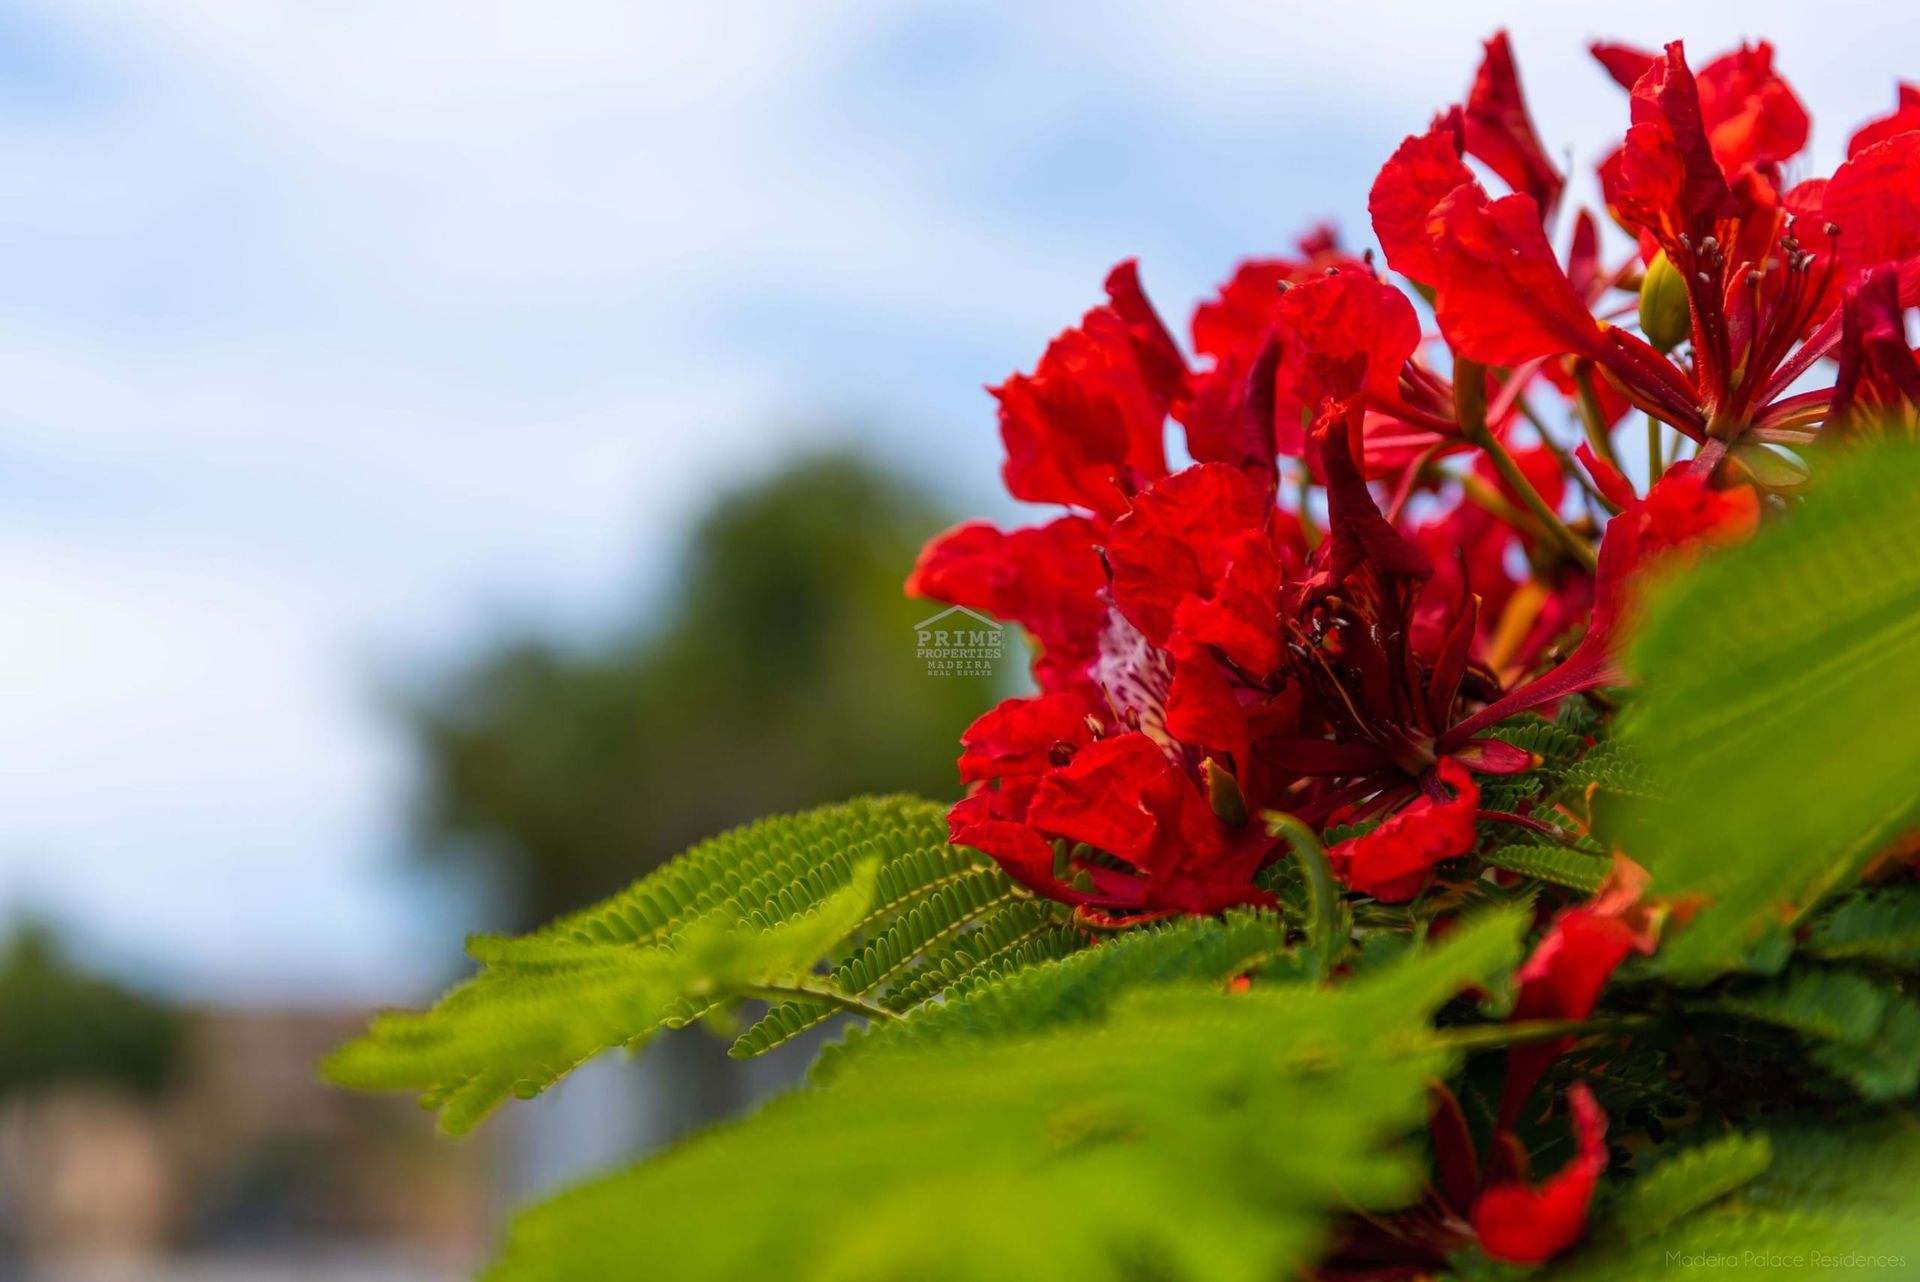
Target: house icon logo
[{"x": 957, "y": 642}]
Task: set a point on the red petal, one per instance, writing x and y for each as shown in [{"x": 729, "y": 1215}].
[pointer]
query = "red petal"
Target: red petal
[
  {"x": 1422, "y": 171},
  {"x": 1183, "y": 542},
  {"x": 1500, "y": 132},
  {"x": 1494, "y": 757},
  {"x": 1359, "y": 533},
  {"x": 1391, "y": 863},
  {"x": 1525, "y": 1225},
  {"x": 1874, "y": 199},
  {"x": 1087, "y": 427},
  {"x": 1025, "y": 736},
  {"x": 1753, "y": 120},
  {"x": 1161, "y": 363},
  {"x": 1335, "y": 321},
  {"x": 1048, "y": 579},
  {"x": 1905, "y": 118},
  {"x": 1623, "y": 62},
  {"x": 1664, "y": 179},
  {"x": 1879, "y": 374},
  {"x": 991, "y": 821},
  {"x": 1502, "y": 298}
]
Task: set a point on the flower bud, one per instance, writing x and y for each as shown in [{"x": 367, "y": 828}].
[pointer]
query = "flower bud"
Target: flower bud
[
  {"x": 1664, "y": 316},
  {"x": 1223, "y": 793}
]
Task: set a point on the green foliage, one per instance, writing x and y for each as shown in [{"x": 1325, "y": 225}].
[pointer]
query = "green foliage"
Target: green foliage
[
  {"x": 1880, "y": 927},
  {"x": 60, "y": 1025},
  {"x": 1083, "y": 987},
  {"x": 1181, "y": 1134},
  {"x": 1686, "y": 1182},
  {"x": 1574, "y": 869},
  {"x": 1554, "y": 744},
  {"x": 1861, "y": 1030},
  {"x": 779, "y": 672},
  {"x": 1829, "y": 1202},
  {"x": 871, "y": 884},
  {"x": 1779, "y": 710}
]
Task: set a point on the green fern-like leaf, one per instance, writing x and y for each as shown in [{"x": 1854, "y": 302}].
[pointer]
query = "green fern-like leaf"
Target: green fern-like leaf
[
  {"x": 1018, "y": 935},
  {"x": 1685, "y": 1183},
  {"x": 1573, "y": 869},
  {"x": 870, "y": 885},
  {"x": 928, "y": 922},
  {"x": 1082, "y": 986},
  {"x": 1555, "y": 745},
  {"x": 1877, "y": 927},
  {"x": 1180, "y": 1133},
  {"x": 1863, "y": 1032},
  {"x": 514, "y": 1032},
  {"x": 1839, "y": 1203}
]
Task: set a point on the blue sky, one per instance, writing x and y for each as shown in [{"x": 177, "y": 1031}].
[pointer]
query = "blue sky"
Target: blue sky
[{"x": 334, "y": 336}]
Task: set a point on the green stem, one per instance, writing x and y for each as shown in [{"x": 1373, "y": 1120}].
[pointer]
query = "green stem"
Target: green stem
[
  {"x": 1493, "y": 1036},
  {"x": 1593, "y": 419},
  {"x": 1566, "y": 460},
  {"x": 1470, "y": 409},
  {"x": 1574, "y": 546},
  {"x": 1323, "y": 897},
  {"x": 819, "y": 993},
  {"x": 1653, "y": 450}
]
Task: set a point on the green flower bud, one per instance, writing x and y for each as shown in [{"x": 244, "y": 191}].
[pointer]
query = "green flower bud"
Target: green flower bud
[{"x": 1664, "y": 315}]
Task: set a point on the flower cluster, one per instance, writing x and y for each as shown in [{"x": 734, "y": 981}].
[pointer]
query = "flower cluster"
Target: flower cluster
[{"x": 1403, "y": 523}]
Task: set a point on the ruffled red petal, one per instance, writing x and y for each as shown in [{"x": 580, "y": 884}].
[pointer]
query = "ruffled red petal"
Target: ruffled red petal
[{"x": 1392, "y": 862}]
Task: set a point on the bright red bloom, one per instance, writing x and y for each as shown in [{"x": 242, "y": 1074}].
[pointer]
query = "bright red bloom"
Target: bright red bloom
[
  {"x": 1574, "y": 960},
  {"x": 1161, "y": 848},
  {"x": 1240, "y": 410},
  {"x": 1525, "y": 1224},
  {"x": 1872, "y": 202},
  {"x": 1749, "y": 116}
]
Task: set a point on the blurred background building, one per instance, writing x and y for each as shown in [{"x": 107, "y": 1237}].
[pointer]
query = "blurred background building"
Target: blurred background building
[{"x": 452, "y": 455}]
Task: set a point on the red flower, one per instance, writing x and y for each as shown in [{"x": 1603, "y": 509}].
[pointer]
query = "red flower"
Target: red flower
[
  {"x": 1240, "y": 411},
  {"x": 1748, "y": 115},
  {"x": 1574, "y": 960},
  {"x": 1524, "y": 1224},
  {"x": 1872, "y": 202}
]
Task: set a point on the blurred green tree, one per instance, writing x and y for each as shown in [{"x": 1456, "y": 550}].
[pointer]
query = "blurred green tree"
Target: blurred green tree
[
  {"x": 61, "y": 1025},
  {"x": 781, "y": 673}
]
